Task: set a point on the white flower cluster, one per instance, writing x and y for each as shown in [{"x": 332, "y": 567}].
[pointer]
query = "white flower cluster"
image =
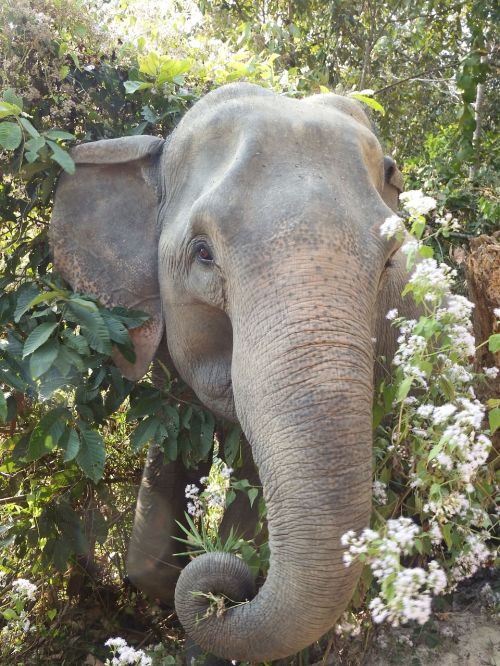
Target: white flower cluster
[
  {"x": 23, "y": 589},
  {"x": 448, "y": 222},
  {"x": 474, "y": 556},
  {"x": 212, "y": 497},
  {"x": 406, "y": 592},
  {"x": 125, "y": 654},
  {"x": 462, "y": 447},
  {"x": 433, "y": 278},
  {"x": 392, "y": 226},
  {"x": 416, "y": 202},
  {"x": 379, "y": 491}
]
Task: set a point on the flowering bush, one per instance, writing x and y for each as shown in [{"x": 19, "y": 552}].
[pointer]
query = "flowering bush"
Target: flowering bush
[
  {"x": 14, "y": 611},
  {"x": 431, "y": 450}
]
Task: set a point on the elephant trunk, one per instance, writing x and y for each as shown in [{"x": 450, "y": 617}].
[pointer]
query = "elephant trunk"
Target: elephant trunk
[{"x": 302, "y": 382}]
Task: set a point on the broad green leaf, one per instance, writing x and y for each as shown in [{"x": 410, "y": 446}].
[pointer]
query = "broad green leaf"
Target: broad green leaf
[
  {"x": 426, "y": 252},
  {"x": 3, "y": 406},
  {"x": 144, "y": 432},
  {"x": 232, "y": 444},
  {"x": 133, "y": 86},
  {"x": 131, "y": 318},
  {"x": 45, "y": 297},
  {"x": 252, "y": 495},
  {"x": 207, "y": 434},
  {"x": 62, "y": 157},
  {"x": 70, "y": 443},
  {"x": 494, "y": 343},
  {"x": 88, "y": 316},
  {"x": 446, "y": 530},
  {"x": 369, "y": 101},
  {"x": 10, "y": 135},
  {"x": 170, "y": 70},
  {"x": 47, "y": 433},
  {"x": 149, "y": 64},
  {"x": 92, "y": 454},
  {"x": 8, "y": 109},
  {"x": 25, "y": 296},
  {"x": 59, "y": 134},
  {"x": 35, "y": 144},
  {"x": 43, "y": 358},
  {"x": 494, "y": 419},
  {"x": 10, "y": 97},
  {"x": 404, "y": 388},
  {"x": 32, "y": 131},
  {"x": 117, "y": 330},
  {"x": 146, "y": 406},
  {"x": 38, "y": 336}
]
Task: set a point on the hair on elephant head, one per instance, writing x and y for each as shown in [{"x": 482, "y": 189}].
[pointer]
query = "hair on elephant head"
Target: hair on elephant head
[{"x": 252, "y": 239}]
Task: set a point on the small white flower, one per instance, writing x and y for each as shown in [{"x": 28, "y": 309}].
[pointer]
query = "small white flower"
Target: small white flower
[
  {"x": 23, "y": 588},
  {"x": 379, "y": 492},
  {"x": 392, "y": 314},
  {"x": 416, "y": 203},
  {"x": 391, "y": 226},
  {"x": 226, "y": 472},
  {"x": 192, "y": 491},
  {"x": 115, "y": 642},
  {"x": 443, "y": 413},
  {"x": 491, "y": 373},
  {"x": 496, "y": 312}
]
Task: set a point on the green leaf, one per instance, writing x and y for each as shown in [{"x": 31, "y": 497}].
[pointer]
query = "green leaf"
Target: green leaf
[
  {"x": 117, "y": 330},
  {"x": 70, "y": 443},
  {"x": 133, "y": 86},
  {"x": 8, "y": 109},
  {"x": 10, "y": 97},
  {"x": 207, "y": 434},
  {"x": 88, "y": 316},
  {"x": 10, "y": 135},
  {"x": 149, "y": 64},
  {"x": 3, "y": 406},
  {"x": 252, "y": 495},
  {"x": 146, "y": 406},
  {"x": 170, "y": 70},
  {"x": 32, "y": 131},
  {"x": 35, "y": 144},
  {"x": 404, "y": 388},
  {"x": 43, "y": 358},
  {"x": 426, "y": 252},
  {"x": 369, "y": 101},
  {"x": 62, "y": 157},
  {"x": 144, "y": 432},
  {"x": 45, "y": 297},
  {"x": 59, "y": 134},
  {"x": 494, "y": 419},
  {"x": 47, "y": 433},
  {"x": 494, "y": 343},
  {"x": 232, "y": 445},
  {"x": 92, "y": 455},
  {"x": 38, "y": 336},
  {"x": 446, "y": 530},
  {"x": 25, "y": 295}
]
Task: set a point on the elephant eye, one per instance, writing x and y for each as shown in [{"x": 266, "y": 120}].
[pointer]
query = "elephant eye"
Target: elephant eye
[{"x": 202, "y": 252}]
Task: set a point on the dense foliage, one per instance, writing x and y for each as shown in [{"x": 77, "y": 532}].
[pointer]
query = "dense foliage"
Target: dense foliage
[{"x": 72, "y": 430}]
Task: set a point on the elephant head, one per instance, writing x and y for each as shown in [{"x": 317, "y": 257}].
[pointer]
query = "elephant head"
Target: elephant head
[{"x": 252, "y": 236}]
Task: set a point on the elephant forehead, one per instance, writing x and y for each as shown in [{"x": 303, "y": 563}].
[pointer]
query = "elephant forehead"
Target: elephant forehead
[{"x": 254, "y": 153}]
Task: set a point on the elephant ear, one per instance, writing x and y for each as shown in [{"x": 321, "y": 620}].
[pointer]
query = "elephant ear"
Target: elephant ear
[
  {"x": 104, "y": 233},
  {"x": 393, "y": 183}
]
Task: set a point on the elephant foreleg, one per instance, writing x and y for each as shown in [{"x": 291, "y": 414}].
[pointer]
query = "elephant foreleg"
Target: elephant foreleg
[{"x": 151, "y": 562}]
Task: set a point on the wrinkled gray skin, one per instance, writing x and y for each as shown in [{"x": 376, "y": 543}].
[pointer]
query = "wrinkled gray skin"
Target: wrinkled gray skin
[{"x": 276, "y": 332}]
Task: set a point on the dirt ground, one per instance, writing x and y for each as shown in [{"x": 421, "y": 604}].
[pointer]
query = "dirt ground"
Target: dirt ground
[{"x": 465, "y": 632}]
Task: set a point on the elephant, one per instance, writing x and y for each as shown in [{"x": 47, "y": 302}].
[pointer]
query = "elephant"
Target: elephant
[{"x": 251, "y": 236}]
